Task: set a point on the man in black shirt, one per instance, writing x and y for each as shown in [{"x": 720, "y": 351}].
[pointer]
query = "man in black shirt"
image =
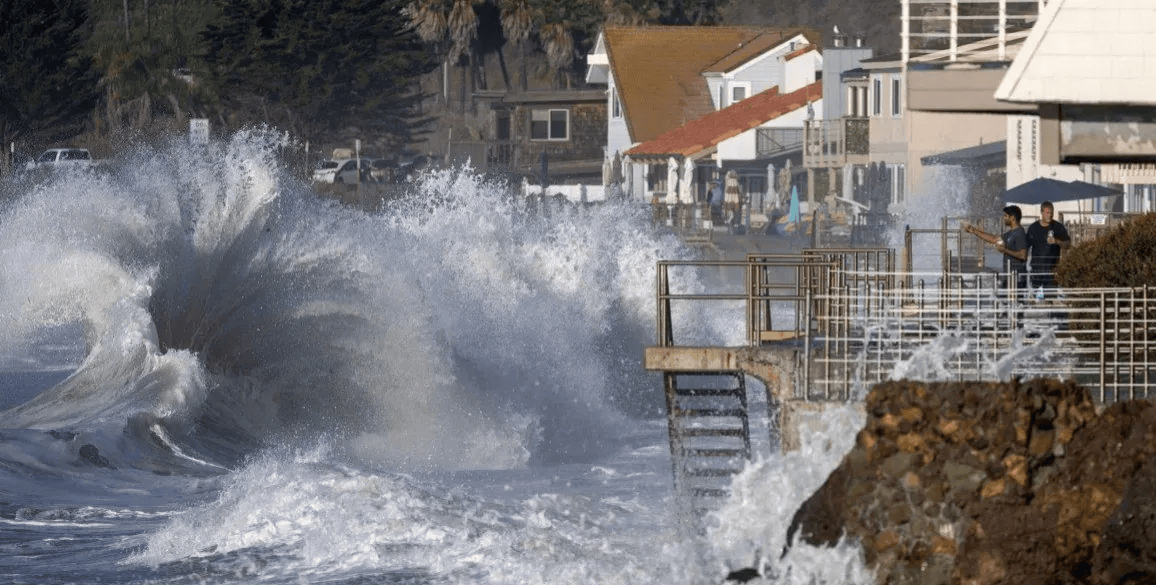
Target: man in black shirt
[{"x": 1046, "y": 239}]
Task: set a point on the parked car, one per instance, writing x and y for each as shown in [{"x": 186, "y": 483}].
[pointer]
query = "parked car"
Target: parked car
[
  {"x": 340, "y": 170},
  {"x": 58, "y": 158},
  {"x": 382, "y": 170},
  {"x": 408, "y": 169}
]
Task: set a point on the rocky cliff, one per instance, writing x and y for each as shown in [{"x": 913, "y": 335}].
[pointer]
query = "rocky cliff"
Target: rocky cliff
[{"x": 995, "y": 483}]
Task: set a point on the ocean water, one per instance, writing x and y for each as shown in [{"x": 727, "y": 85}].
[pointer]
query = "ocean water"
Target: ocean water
[{"x": 210, "y": 375}]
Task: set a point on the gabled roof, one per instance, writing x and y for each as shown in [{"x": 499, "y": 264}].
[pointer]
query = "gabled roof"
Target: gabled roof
[
  {"x": 1086, "y": 51},
  {"x": 658, "y": 70},
  {"x": 760, "y": 45},
  {"x": 708, "y": 131}
]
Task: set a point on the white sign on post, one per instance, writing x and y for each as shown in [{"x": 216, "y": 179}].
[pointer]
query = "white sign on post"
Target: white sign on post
[{"x": 199, "y": 131}]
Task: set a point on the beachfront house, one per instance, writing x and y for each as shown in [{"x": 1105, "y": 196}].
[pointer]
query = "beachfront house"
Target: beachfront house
[
  {"x": 1086, "y": 74},
  {"x": 836, "y": 144},
  {"x": 558, "y": 134},
  {"x": 755, "y": 138},
  {"x": 652, "y": 90}
]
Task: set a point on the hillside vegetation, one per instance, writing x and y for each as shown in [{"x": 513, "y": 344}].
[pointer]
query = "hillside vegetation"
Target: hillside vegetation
[{"x": 99, "y": 74}]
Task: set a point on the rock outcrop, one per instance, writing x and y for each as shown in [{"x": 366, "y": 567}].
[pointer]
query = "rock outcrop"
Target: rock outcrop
[{"x": 985, "y": 483}]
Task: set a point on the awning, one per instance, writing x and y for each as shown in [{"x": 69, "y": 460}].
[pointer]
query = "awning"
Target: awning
[
  {"x": 1039, "y": 190},
  {"x": 992, "y": 154}
]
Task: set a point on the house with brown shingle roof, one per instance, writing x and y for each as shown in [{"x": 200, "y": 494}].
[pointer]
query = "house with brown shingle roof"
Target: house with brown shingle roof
[
  {"x": 702, "y": 148},
  {"x": 663, "y": 77}
]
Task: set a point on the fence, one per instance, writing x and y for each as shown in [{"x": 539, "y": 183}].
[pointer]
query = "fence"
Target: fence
[{"x": 858, "y": 321}]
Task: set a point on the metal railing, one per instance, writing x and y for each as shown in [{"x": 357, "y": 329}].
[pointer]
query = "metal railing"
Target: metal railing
[
  {"x": 858, "y": 322},
  {"x": 964, "y": 30}
]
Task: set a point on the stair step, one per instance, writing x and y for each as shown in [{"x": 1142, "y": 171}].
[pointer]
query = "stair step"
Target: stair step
[
  {"x": 701, "y": 432},
  {"x": 715, "y": 452},
  {"x": 710, "y": 492},
  {"x": 710, "y": 472},
  {"x": 711, "y": 412},
  {"x": 710, "y": 391}
]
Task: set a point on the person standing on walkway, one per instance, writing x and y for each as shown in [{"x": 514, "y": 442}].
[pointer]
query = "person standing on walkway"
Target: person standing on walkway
[
  {"x": 1047, "y": 239},
  {"x": 1013, "y": 245}
]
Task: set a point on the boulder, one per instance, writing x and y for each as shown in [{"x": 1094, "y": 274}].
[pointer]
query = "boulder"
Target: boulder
[{"x": 970, "y": 483}]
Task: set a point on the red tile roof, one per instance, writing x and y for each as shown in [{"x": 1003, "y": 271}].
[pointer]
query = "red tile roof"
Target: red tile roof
[
  {"x": 703, "y": 133},
  {"x": 800, "y": 51},
  {"x": 658, "y": 70}
]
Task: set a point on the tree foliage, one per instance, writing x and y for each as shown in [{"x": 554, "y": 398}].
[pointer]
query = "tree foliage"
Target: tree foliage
[
  {"x": 1123, "y": 256},
  {"x": 315, "y": 66},
  {"x": 144, "y": 52},
  {"x": 47, "y": 85}
]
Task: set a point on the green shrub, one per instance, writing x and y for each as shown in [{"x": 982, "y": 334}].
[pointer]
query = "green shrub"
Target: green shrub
[{"x": 1124, "y": 256}]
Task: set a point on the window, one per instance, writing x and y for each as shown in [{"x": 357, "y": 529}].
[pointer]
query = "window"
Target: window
[
  {"x": 502, "y": 125},
  {"x": 549, "y": 125},
  {"x": 877, "y": 98},
  {"x": 896, "y": 96},
  {"x": 615, "y": 105},
  {"x": 739, "y": 92},
  {"x": 898, "y": 178},
  {"x": 857, "y": 101}
]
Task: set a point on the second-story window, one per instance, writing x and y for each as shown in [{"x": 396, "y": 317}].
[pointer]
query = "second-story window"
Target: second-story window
[
  {"x": 615, "y": 105},
  {"x": 549, "y": 125},
  {"x": 502, "y": 124},
  {"x": 739, "y": 92},
  {"x": 896, "y": 96},
  {"x": 877, "y": 97},
  {"x": 857, "y": 101}
]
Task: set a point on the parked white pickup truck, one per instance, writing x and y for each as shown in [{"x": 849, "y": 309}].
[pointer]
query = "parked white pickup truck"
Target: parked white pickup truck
[{"x": 62, "y": 158}]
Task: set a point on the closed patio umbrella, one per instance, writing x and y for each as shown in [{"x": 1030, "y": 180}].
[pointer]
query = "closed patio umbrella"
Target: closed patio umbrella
[
  {"x": 686, "y": 185},
  {"x": 733, "y": 190},
  {"x": 671, "y": 181}
]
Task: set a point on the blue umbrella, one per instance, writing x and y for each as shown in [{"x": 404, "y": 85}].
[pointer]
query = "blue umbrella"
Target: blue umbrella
[{"x": 793, "y": 215}]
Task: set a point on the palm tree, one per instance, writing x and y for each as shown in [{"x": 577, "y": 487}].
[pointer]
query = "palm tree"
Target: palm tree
[
  {"x": 517, "y": 21},
  {"x": 558, "y": 44},
  {"x": 463, "y": 28}
]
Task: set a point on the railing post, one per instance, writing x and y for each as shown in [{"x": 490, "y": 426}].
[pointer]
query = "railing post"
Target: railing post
[{"x": 1103, "y": 343}]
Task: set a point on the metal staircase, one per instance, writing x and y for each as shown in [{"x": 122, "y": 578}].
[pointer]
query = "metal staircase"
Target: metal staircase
[{"x": 710, "y": 437}]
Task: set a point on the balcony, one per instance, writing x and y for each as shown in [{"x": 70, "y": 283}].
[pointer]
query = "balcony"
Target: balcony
[
  {"x": 955, "y": 31},
  {"x": 770, "y": 142},
  {"x": 834, "y": 143}
]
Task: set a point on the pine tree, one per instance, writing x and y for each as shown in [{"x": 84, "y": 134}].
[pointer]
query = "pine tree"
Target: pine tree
[
  {"x": 317, "y": 66},
  {"x": 47, "y": 88}
]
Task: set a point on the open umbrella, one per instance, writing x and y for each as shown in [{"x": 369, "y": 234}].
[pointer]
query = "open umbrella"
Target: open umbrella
[
  {"x": 686, "y": 185},
  {"x": 1037, "y": 191}
]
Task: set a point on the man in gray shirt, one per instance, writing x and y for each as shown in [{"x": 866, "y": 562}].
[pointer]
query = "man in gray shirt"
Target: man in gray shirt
[{"x": 1013, "y": 244}]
